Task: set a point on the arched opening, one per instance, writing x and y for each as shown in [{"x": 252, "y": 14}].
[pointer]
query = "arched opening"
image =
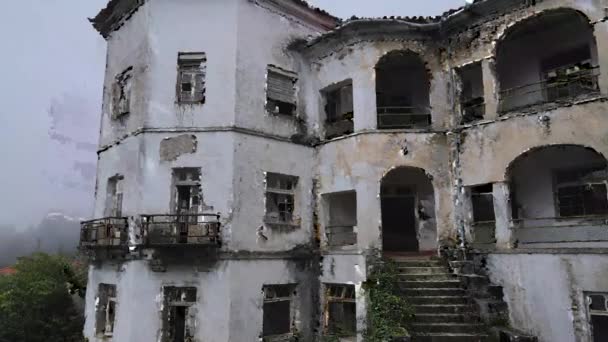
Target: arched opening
[
  {"x": 561, "y": 186},
  {"x": 549, "y": 57},
  {"x": 408, "y": 211},
  {"x": 402, "y": 91}
]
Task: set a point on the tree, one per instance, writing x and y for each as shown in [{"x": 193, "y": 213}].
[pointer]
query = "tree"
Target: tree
[{"x": 36, "y": 302}]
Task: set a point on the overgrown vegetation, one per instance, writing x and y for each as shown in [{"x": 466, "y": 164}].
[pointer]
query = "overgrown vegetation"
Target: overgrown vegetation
[
  {"x": 389, "y": 314},
  {"x": 37, "y": 301}
]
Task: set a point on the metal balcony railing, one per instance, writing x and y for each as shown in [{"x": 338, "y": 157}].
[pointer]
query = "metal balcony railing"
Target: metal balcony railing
[
  {"x": 104, "y": 232},
  {"x": 403, "y": 117},
  {"x": 560, "y": 88},
  {"x": 181, "y": 229},
  {"x": 561, "y": 229}
]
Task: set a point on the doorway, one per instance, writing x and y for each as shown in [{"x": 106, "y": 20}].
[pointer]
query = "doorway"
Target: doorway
[{"x": 408, "y": 210}]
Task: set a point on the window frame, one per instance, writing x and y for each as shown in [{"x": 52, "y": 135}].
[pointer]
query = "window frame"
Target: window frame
[
  {"x": 292, "y": 103},
  {"x": 579, "y": 182},
  {"x": 195, "y": 65},
  {"x": 344, "y": 297},
  {"x": 106, "y": 294},
  {"x": 121, "y": 93},
  {"x": 268, "y": 289},
  {"x": 168, "y": 292},
  {"x": 287, "y": 192}
]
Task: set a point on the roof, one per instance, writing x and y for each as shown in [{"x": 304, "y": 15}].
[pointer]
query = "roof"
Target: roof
[
  {"x": 117, "y": 12},
  {"x": 7, "y": 271}
]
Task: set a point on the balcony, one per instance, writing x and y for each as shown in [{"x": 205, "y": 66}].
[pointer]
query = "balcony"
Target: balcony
[
  {"x": 566, "y": 86},
  {"x": 181, "y": 230},
  {"x": 403, "y": 117},
  {"x": 550, "y": 230},
  {"x": 109, "y": 232}
]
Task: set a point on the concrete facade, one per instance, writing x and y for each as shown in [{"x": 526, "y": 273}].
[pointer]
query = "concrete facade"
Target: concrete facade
[{"x": 236, "y": 142}]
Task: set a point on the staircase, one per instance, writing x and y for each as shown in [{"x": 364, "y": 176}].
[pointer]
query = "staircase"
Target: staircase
[{"x": 443, "y": 310}]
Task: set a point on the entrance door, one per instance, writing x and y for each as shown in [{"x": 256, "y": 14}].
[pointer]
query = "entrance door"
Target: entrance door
[{"x": 399, "y": 224}]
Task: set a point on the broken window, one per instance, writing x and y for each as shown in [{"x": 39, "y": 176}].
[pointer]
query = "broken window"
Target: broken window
[
  {"x": 280, "y": 198},
  {"x": 191, "y": 77},
  {"x": 581, "y": 192},
  {"x": 341, "y": 218},
  {"x": 278, "y": 311},
  {"x": 114, "y": 196},
  {"x": 568, "y": 74},
  {"x": 105, "y": 309},
  {"x": 402, "y": 91},
  {"x": 339, "y": 110},
  {"x": 187, "y": 190},
  {"x": 598, "y": 314},
  {"x": 482, "y": 199},
  {"x": 121, "y": 93},
  {"x": 280, "y": 91},
  {"x": 472, "y": 103},
  {"x": 178, "y": 313},
  {"x": 340, "y": 314}
]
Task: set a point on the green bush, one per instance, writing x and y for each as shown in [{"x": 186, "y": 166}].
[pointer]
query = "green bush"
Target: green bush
[{"x": 389, "y": 314}]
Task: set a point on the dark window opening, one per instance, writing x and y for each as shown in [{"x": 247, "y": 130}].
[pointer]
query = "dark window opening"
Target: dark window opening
[
  {"x": 598, "y": 312},
  {"x": 105, "y": 309},
  {"x": 341, "y": 212},
  {"x": 483, "y": 203},
  {"x": 191, "y": 77},
  {"x": 280, "y": 91},
  {"x": 187, "y": 185},
  {"x": 402, "y": 91},
  {"x": 339, "y": 110},
  {"x": 581, "y": 192},
  {"x": 114, "y": 196},
  {"x": 278, "y": 311},
  {"x": 177, "y": 323},
  {"x": 472, "y": 104},
  {"x": 280, "y": 198},
  {"x": 341, "y": 313}
]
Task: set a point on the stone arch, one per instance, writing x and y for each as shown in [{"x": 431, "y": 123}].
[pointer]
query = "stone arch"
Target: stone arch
[
  {"x": 534, "y": 53},
  {"x": 561, "y": 180},
  {"x": 403, "y": 84},
  {"x": 407, "y": 201}
]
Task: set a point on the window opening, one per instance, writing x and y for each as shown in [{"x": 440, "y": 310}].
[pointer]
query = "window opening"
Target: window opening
[
  {"x": 178, "y": 313},
  {"x": 191, "y": 77},
  {"x": 340, "y": 313},
  {"x": 106, "y": 309},
  {"x": 278, "y": 314},
  {"x": 121, "y": 93},
  {"x": 581, "y": 192},
  {"x": 280, "y": 91},
  {"x": 598, "y": 314},
  {"x": 280, "y": 198}
]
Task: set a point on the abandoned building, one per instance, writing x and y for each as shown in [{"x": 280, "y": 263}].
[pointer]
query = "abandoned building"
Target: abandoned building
[{"x": 255, "y": 154}]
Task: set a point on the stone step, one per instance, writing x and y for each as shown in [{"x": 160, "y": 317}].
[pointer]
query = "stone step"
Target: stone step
[
  {"x": 426, "y": 277},
  {"x": 438, "y": 337},
  {"x": 450, "y": 328},
  {"x": 416, "y": 284},
  {"x": 420, "y": 263},
  {"x": 423, "y": 270},
  {"x": 438, "y": 300},
  {"x": 446, "y": 318},
  {"x": 429, "y": 292},
  {"x": 443, "y": 308}
]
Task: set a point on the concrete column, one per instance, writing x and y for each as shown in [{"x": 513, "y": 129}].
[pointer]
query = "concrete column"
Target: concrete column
[
  {"x": 467, "y": 214},
  {"x": 490, "y": 89},
  {"x": 364, "y": 100},
  {"x": 502, "y": 211},
  {"x": 601, "y": 38}
]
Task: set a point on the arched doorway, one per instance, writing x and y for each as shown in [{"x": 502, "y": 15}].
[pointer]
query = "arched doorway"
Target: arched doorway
[{"x": 408, "y": 211}]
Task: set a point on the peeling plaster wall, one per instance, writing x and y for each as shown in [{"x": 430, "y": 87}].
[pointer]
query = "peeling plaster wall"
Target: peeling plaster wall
[
  {"x": 545, "y": 291},
  {"x": 263, "y": 37},
  {"x": 360, "y": 162},
  {"x": 357, "y": 59},
  {"x": 128, "y": 47},
  {"x": 229, "y": 297},
  {"x": 253, "y": 157},
  {"x": 204, "y": 26},
  {"x": 495, "y": 145}
]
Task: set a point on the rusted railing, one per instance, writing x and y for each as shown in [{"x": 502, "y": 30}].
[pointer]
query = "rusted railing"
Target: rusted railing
[
  {"x": 561, "y": 229},
  {"x": 404, "y": 117},
  {"x": 104, "y": 232},
  {"x": 562, "y": 88},
  {"x": 179, "y": 230}
]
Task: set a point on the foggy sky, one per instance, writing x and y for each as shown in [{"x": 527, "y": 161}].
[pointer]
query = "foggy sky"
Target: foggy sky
[{"x": 51, "y": 75}]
